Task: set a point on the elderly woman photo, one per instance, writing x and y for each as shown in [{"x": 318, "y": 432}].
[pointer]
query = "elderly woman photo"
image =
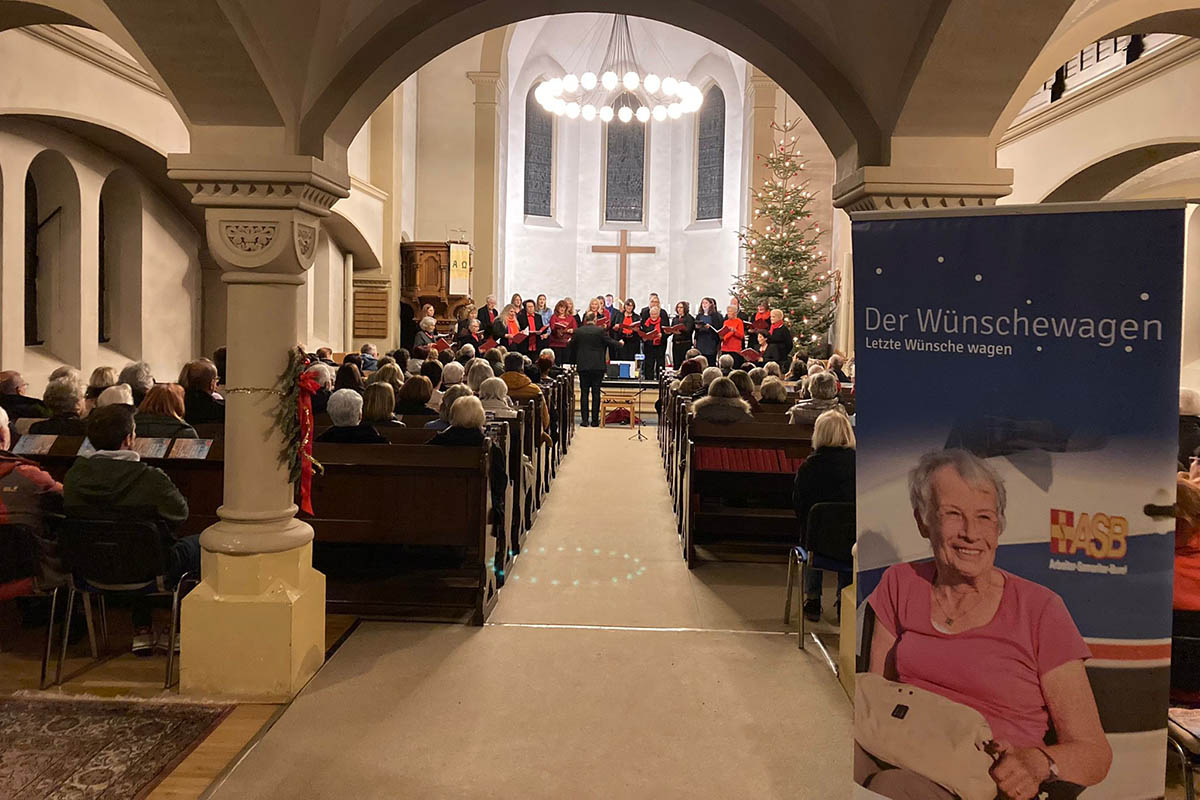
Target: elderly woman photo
[
  {"x": 937, "y": 621},
  {"x": 346, "y": 412}
]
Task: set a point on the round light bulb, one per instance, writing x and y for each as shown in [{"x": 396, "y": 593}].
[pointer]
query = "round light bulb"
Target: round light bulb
[
  {"x": 625, "y": 114},
  {"x": 606, "y": 114},
  {"x": 570, "y": 84},
  {"x": 660, "y": 113},
  {"x": 674, "y": 111},
  {"x": 609, "y": 80},
  {"x": 556, "y": 86},
  {"x": 572, "y": 110},
  {"x": 588, "y": 112},
  {"x": 631, "y": 80},
  {"x": 652, "y": 83},
  {"x": 643, "y": 114},
  {"x": 588, "y": 81},
  {"x": 542, "y": 93},
  {"x": 560, "y": 106},
  {"x": 670, "y": 86},
  {"x": 683, "y": 90}
]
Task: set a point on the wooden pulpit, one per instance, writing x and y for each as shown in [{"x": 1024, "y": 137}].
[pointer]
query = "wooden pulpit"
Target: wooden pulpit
[{"x": 425, "y": 277}]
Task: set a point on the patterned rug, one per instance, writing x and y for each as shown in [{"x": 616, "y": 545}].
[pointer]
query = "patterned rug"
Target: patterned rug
[{"x": 77, "y": 749}]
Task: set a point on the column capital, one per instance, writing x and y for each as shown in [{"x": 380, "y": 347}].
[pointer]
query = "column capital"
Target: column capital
[
  {"x": 261, "y": 244},
  {"x": 887, "y": 188},
  {"x": 488, "y": 86},
  {"x": 256, "y": 181}
]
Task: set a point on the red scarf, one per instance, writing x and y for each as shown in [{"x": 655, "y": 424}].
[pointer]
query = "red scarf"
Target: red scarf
[
  {"x": 776, "y": 326},
  {"x": 308, "y": 387},
  {"x": 762, "y": 319},
  {"x": 628, "y": 323},
  {"x": 532, "y": 321},
  {"x": 513, "y": 326},
  {"x": 656, "y": 323}
]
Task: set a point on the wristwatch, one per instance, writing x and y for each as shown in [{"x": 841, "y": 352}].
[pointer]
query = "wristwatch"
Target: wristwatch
[{"x": 1050, "y": 761}]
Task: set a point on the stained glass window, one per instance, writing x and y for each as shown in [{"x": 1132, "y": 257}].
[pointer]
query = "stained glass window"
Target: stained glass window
[
  {"x": 710, "y": 155},
  {"x": 539, "y": 158},
  {"x": 625, "y": 168}
]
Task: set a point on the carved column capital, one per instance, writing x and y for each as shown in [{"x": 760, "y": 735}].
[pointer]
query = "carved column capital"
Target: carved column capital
[
  {"x": 267, "y": 241},
  {"x": 488, "y": 86},
  {"x": 898, "y": 188}
]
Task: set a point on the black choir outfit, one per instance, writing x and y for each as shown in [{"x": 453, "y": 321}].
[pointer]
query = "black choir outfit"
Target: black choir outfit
[
  {"x": 532, "y": 323},
  {"x": 708, "y": 342},
  {"x": 487, "y": 317},
  {"x": 779, "y": 344},
  {"x": 682, "y": 342},
  {"x": 655, "y": 347},
  {"x": 625, "y": 326},
  {"x": 466, "y": 337}
]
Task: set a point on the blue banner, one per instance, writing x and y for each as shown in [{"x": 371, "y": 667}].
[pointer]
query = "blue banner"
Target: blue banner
[{"x": 1017, "y": 423}]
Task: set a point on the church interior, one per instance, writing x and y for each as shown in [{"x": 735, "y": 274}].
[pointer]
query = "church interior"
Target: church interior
[{"x": 289, "y": 203}]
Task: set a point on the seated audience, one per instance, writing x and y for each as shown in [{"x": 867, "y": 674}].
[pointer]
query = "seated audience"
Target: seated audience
[
  {"x": 455, "y": 392},
  {"x": 835, "y": 366},
  {"x": 161, "y": 414},
  {"x": 1187, "y": 540},
  {"x": 723, "y": 403},
  {"x": 709, "y": 375},
  {"x": 467, "y": 419},
  {"x": 478, "y": 373},
  {"x": 114, "y": 478},
  {"x": 741, "y": 379},
  {"x": 823, "y": 389},
  {"x": 14, "y": 401},
  {"x": 379, "y": 403},
  {"x": 414, "y": 397},
  {"x": 774, "y": 393},
  {"x": 465, "y": 353},
  {"x": 758, "y": 374},
  {"x": 370, "y": 357},
  {"x": 201, "y": 402},
  {"x": 1189, "y": 426},
  {"x": 353, "y": 358},
  {"x": 348, "y": 377},
  {"x": 772, "y": 369},
  {"x": 64, "y": 398},
  {"x": 64, "y": 372},
  {"x": 552, "y": 369},
  {"x": 690, "y": 354},
  {"x": 826, "y": 476},
  {"x": 389, "y": 374},
  {"x": 495, "y": 357},
  {"x": 493, "y": 393},
  {"x": 688, "y": 367},
  {"x": 521, "y": 388},
  {"x": 325, "y": 356},
  {"x": 29, "y": 494},
  {"x": 402, "y": 357},
  {"x": 726, "y": 363},
  {"x": 702, "y": 360},
  {"x": 798, "y": 370},
  {"x": 220, "y": 359},
  {"x": 453, "y": 373},
  {"x": 116, "y": 395},
  {"x": 433, "y": 370},
  {"x": 346, "y": 412},
  {"x": 139, "y": 378},
  {"x": 691, "y": 385},
  {"x": 324, "y": 375},
  {"x": 101, "y": 379},
  {"x": 444, "y": 357}
]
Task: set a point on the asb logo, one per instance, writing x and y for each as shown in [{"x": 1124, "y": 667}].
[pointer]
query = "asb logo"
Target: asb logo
[{"x": 1097, "y": 535}]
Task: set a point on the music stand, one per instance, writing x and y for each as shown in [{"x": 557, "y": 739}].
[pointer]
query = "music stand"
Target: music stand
[{"x": 639, "y": 361}]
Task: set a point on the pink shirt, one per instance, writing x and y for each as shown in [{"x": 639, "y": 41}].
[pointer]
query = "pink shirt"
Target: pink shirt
[{"x": 995, "y": 669}]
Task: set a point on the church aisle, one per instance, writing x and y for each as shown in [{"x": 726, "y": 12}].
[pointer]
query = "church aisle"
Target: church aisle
[{"x": 582, "y": 684}]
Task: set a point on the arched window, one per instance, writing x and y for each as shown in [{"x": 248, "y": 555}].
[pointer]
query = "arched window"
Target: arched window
[
  {"x": 710, "y": 155},
  {"x": 120, "y": 279},
  {"x": 624, "y": 167},
  {"x": 52, "y": 258},
  {"x": 539, "y": 158},
  {"x": 31, "y": 263}
]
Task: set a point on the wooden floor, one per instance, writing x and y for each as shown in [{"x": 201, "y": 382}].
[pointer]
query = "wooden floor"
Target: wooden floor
[{"x": 121, "y": 674}]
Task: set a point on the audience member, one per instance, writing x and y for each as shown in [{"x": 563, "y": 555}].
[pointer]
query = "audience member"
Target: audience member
[
  {"x": 1189, "y": 426},
  {"x": 774, "y": 393},
  {"x": 741, "y": 379},
  {"x": 465, "y": 353},
  {"x": 161, "y": 414},
  {"x": 325, "y": 356},
  {"x": 414, "y": 396},
  {"x": 402, "y": 357},
  {"x": 757, "y": 375},
  {"x": 823, "y": 389},
  {"x": 348, "y": 377},
  {"x": 14, "y": 401},
  {"x": 101, "y": 379},
  {"x": 709, "y": 375},
  {"x": 389, "y": 374},
  {"x": 453, "y": 373},
  {"x": 835, "y": 366},
  {"x": 772, "y": 368},
  {"x": 444, "y": 357},
  {"x": 201, "y": 402},
  {"x": 521, "y": 388},
  {"x": 353, "y": 358},
  {"x": 467, "y": 419},
  {"x": 455, "y": 392},
  {"x": 220, "y": 360},
  {"x": 346, "y": 413},
  {"x": 478, "y": 373},
  {"x": 493, "y": 393},
  {"x": 138, "y": 376},
  {"x": 29, "y": 493},
  {"x": 691, "y": 385},
  {"x": 64, "y": 372},
  {"x": 324, "y": 375},
  {"x": 114, "y": 479},
  {"x": 723, "y": 403},
  {"x": 1187, "y": 540},
  {"x": 826, "y": 476},
  {"x": 725, "y": 363},
  {"x": 64, "y": 398},
  {"x": 379, "y": 404},
  {"x": 116, "y": 395},
  {"x": 433, "y": 370},
  {"x": 426, "y": 334},
  {"x": 370, "y": 357},
  {"x": 494, "y": 357}
]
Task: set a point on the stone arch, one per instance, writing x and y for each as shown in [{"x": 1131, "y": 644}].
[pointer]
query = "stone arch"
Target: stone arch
[
  {"x": 59, "y": 289},
  {"x": 120, "y": 279},
  {"x": 1097, "y": 179},
  {"x": 429, "y": 27}
]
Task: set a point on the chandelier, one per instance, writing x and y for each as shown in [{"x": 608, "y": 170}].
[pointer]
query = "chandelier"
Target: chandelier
[{"x": 620, "y": 88}]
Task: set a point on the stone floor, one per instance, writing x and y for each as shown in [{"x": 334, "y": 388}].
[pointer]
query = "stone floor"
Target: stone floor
[{"x": 607, "y": 670}]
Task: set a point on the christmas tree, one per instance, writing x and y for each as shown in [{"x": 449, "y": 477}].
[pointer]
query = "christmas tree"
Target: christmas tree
[{"x": 784, "y": 266}]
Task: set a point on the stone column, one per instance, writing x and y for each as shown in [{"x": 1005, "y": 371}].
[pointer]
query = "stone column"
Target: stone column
[
  {"x": 255, "y": 628},
  {"x": 348, "y": 302},
  {"x": 764, "y": 97},
  {"x": 488, "y": 88}
]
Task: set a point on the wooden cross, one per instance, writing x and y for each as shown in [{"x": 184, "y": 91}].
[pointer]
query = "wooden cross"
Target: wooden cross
[{"x": 623, "y": 250}]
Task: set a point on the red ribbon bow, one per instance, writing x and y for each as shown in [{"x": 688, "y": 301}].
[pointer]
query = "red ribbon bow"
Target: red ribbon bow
[{"x": 308, "y": 387}]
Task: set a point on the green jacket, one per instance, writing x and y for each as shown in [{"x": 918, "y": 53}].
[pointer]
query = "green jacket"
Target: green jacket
[{"x": 105, "y": 482}]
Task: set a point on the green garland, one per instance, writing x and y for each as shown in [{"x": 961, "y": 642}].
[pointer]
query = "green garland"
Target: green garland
[{"x": 287, "y": 417}]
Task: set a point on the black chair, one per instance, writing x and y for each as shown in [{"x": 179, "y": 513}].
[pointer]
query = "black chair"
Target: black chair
[
  {"x": 830, "y": 536},
  {"x": 20, "y": 571},
  {"x": 104, "y": 555},
  {"x": 1185, "y": 690}
]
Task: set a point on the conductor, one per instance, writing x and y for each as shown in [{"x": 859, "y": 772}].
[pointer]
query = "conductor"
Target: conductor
[{"x": 589, "y": 350}]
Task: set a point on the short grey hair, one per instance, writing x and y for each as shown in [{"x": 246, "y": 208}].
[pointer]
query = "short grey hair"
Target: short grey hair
[
  {"x": 478, "y": 373},
  {"x": 467, "y": 351},
  {"x": 368, "y": 349},
  {"x": 493, "y": 389},
  {"x": 815, "y": 369},
  {"x": 323, "y": 373},
  {"x": 64, "y": 372},
  {"x": 836, "y": 361},
  {"x": 547, "y": 352},
  {"x": 691, "y": 353},
  {"x": 724, "y": 387},
  {"x": 725, "y": 361},
  {"x": 772, "y": 368},
  {"x": 468, "y": 413},
  {"x": 823, "y": 386},
  {"x": 62, "y": 396},
  {"x": 345, "y": 408},
  {"x": 138, "y": 375},
  {"x": 452, "y": 374},
  {"x": 709, "y": 375},
  {"x": 450, "y": 396},
  {"x": 977, "y": 473},
  {"x": 702, "y": 360},
  {"x": 116, "y": 395},
  {"x": 758, "y": 374},
  {"x": 427, "y": 324}
]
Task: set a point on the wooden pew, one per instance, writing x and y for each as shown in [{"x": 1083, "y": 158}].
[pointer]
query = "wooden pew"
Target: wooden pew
[{"x": 737, "y": 487}]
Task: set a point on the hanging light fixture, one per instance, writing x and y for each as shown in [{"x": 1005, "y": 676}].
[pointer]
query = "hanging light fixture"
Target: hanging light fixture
[{"x": 619, "y": 88}]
